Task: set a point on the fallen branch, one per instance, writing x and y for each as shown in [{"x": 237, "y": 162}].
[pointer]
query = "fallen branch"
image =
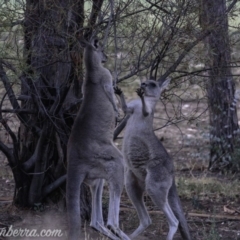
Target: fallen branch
[
  {"x": 192, "y": 214},
  {"x": 6, "y": 199},
  {"x": 24, "y": 111},
  {"x": 214, "y": 216}
]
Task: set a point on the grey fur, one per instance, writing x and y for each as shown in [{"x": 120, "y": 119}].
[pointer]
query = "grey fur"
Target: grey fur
[
  {"x": 92, "y": 155},
  {"x": 148, "y": 166}
]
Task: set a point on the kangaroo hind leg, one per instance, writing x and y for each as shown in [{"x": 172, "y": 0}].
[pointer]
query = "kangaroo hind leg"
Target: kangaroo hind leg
[
  {"x": 135, "y": 190},
  {"x": 158, "y": 189},
  {"x": 96, "y": 187},
  {"x": 115, "y": 179}
]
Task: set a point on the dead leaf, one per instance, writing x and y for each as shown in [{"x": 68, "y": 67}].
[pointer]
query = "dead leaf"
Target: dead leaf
[{"x": 226, "y": 209}]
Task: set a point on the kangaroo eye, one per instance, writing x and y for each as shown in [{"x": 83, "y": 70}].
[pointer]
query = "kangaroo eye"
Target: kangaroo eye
[{"x": 152, "y": 84}]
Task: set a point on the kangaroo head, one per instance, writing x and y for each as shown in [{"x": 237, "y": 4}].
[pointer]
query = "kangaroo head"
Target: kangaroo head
[
  {"x": 152, "y": 88},
  {"x": 93, "y": 53}
]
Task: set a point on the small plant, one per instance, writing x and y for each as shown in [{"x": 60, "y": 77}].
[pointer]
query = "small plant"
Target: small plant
[
  {"x": 38, "y": 207},
  {"x": 213, "y": 233}
]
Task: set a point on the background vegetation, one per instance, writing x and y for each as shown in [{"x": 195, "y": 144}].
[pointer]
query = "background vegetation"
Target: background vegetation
[{"x": 196, "y": 43}]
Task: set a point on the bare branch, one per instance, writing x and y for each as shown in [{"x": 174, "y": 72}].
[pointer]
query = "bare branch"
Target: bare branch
[
  {"x": 166, "y": 46},
  {"x": 230, "y": 7},
  {"x": 35, "y": 191},
  {"x": 37, "y": 153},
  {"x": 134, "y": 72},
  {"x": 51, "y": 187},
  {"x": 136, "y": 12},
  {"x": 9, "y": 66},
  {"x": 187, "y": 49},
  {"x": 8, "y": 153},
  {"x": 158, "y": 7},
  {"x": 4, "y": 123},
  {"x": 110, "y": 21},
  {"x": 8, "y": 88},
  {"x": 60, "y": 161},
  {"x": 21, "y": 116},
  {"x": 96, "y": 8},
  {"x": 12, "y": 24}
]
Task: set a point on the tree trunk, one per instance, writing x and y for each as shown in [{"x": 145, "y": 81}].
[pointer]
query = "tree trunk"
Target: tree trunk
[
  {"x": 220, "y": 87},
  {"x": 51, "y": 87}
]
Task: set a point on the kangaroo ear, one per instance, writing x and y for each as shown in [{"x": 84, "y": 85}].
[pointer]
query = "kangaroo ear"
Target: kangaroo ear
[
  {"x": 163, "y": 83},
  {"x": 95, "y": 43}
]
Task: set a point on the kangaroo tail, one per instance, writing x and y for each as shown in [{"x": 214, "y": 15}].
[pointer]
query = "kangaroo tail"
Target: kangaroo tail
[
  {"x": 74, "y": 181},
  {"x": 175, "y": 204}
]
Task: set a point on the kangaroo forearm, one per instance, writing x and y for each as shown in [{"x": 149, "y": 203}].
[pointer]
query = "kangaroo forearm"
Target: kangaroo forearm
[
  {"x": 109, "y": 92},
  {"x": 145, "y": 111}
]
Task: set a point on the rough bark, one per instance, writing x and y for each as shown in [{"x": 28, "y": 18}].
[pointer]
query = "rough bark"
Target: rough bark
[{"x": 220, "y": 86}]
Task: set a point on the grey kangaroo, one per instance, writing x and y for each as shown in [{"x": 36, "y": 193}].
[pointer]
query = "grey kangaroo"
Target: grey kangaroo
[
  {"x": 91, "y": 153},
  {"x": 149, "y": 167}
]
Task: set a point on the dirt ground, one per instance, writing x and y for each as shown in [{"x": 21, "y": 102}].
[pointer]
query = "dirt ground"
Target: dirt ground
[
  {"x": 211, "y": 214},
  {"x": 208, "y": 221}
]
